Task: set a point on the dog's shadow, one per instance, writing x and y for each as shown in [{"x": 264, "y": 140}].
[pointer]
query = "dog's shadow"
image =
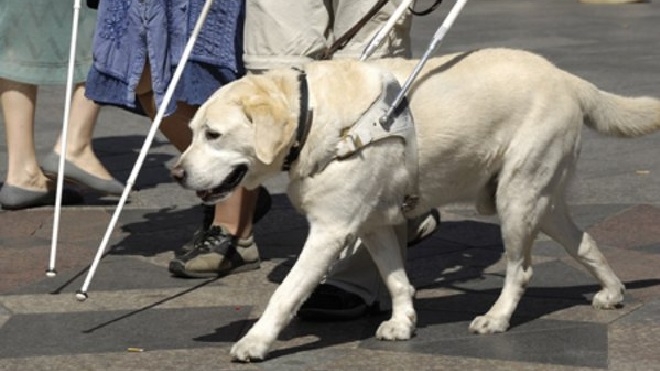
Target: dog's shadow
[
  {"x": 457, "y": 272},
  {"x": 459, "y": 263}
]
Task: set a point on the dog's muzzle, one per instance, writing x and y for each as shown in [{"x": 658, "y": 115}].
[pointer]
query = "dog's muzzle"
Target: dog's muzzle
[{"x": 231, "y": 182}]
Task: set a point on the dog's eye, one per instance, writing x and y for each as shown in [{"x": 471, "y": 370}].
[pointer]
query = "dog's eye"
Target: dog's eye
[{"x": 211, "y": 135}]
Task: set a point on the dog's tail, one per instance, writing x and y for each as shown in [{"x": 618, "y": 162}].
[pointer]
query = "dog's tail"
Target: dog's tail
[{"x": 617, "y": 115}]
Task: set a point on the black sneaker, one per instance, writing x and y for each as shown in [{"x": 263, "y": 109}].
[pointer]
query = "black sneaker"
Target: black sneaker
[
  {"x": 217, "y": 254},
  {"x": 331, "y": 303},
  {"x": 262, "y": 207}
]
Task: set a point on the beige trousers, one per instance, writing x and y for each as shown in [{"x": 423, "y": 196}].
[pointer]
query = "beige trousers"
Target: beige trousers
[{"x": 288, "y": 33}]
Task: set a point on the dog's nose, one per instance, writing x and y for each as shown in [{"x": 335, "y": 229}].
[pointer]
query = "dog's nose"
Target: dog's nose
[{"x": 178, "y": 173}]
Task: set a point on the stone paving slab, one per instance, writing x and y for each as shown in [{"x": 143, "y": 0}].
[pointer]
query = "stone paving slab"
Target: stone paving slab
[{"x": 134, "y": 303}]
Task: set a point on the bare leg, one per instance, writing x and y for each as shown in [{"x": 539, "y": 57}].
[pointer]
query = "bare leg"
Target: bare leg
[
  {"x": 175, "y": 126},
  {"x": 18, "y": 105},
  {"x": 235, "y": 213},
  {"x": 80, "y": 131}
]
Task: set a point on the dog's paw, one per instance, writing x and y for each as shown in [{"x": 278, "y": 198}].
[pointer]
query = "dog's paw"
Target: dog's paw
[
  {"x": 488, "y": 325},
  {"x": 608, "y": 299},
  {"x": 249, "y": 349},
  {"x": 395, "y": 330}
]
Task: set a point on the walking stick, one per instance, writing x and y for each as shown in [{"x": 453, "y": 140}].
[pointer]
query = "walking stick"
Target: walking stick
[
  {"x": 50, "y": 271},
  {"x": 380, "y": 35},
  {"x": 437, "y": 37},
  {"x": 82, "y": 293}
]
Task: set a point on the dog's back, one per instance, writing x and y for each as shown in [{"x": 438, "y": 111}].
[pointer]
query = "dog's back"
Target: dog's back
[{"x": 476, "y": 111}]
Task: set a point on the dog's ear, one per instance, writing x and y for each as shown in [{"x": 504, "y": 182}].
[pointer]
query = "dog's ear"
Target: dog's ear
[{"x": 273, "y": 128}]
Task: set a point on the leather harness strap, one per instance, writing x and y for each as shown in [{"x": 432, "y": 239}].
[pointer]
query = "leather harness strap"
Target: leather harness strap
[{"x": 304, "y": 121}]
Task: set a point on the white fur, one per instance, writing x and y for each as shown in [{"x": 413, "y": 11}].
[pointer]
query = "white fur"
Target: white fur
[{"x": 497, "y": 127}]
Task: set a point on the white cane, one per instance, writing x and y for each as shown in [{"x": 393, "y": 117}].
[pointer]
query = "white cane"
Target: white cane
[
  {"x": 50, "y": 271},
  {"x": 380, "y": 35},
  {"x": 437, "y": 37},
  {"x": 82, "y": 293}
]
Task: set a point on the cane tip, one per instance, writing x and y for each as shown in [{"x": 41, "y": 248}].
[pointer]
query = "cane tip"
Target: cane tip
[
  {"x": 81, "y": 296},
  {"x": 50, "y": 272}
]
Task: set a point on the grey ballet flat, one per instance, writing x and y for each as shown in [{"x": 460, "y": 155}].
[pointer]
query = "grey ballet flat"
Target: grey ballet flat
[
  {"x": 16, "y": 198},
  {"x": 73, "y": 173}
]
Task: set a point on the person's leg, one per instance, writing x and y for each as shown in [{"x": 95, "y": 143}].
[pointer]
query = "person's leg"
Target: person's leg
[
  {"x": 82, "y": 121},
  {"x": 175, "y": 126},
  {"x": 81, "y": 165},
  {"x": 235, "y": 213},
  {"x": 353, "y": 286},
  {"x": 26, "y": 185},
  {"x": 224, "y": 244},
  {"x": 18, "y": 106}
]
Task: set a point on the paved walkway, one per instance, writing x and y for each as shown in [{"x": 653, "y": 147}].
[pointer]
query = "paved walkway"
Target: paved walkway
[{"x": 190, "y": 324}]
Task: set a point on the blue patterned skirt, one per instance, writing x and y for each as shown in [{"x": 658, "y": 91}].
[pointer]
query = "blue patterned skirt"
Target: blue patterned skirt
[{"x": 131, "y": 33}]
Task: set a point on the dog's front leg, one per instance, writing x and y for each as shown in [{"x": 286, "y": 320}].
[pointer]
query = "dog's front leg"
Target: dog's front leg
[
  {"x": 321, "y": 249},
  {"x": 386, "y": 250}
]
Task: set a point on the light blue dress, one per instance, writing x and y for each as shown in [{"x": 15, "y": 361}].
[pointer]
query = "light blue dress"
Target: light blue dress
[{"x": 35, "y": 36}]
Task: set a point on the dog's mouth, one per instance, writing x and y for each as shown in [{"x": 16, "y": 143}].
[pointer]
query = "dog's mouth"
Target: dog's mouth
[{"x": 228, "y": 184}]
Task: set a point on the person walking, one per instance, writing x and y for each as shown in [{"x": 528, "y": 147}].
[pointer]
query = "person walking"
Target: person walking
[{"x": 34, "y": 50}]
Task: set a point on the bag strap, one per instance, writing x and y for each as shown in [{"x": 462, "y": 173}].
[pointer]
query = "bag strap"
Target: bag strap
[
  {"x": 425, "y": 11},
  {"x": 341, "y": 42}
]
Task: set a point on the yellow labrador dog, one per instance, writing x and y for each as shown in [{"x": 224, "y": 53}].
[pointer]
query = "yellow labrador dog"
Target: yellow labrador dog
[{"x": 498, "y": 127}]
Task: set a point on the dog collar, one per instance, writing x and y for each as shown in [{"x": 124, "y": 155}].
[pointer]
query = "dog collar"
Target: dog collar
[{"x": 304, "y": 122}]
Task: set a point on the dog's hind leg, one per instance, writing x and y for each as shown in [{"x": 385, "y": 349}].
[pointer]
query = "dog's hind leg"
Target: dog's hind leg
[
  {"x": 387, "y": 252},
  {"x": 559, "y": 226},
  {"x": 521, "y": 206},
  {"x": 321, "y": 249}
]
